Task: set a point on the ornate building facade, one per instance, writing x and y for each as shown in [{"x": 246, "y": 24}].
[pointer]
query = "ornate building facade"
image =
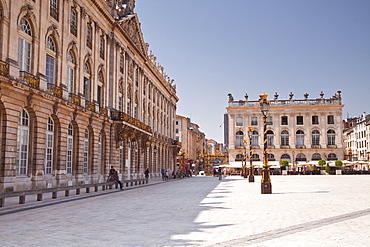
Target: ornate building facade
[
  {"x": 300, "y": 131},
  {"x": 80, "y": 92}
]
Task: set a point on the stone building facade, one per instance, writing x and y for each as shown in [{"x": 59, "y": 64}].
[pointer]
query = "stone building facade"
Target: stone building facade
[
  {"x": 300, "y": 131},
  {"x": 80, "y": 91}
]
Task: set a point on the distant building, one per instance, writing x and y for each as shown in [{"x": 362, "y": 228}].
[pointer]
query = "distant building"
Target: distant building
[
  {"x": 301, "y": 131},
  {"x": 80, "y": 91}
]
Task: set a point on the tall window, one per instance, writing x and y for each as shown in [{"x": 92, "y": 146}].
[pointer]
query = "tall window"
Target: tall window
[
  {"x": 270, "y": 138},
  {"x": 22, "y": 143},
  {"x": 100, "y": 89},
  {"x": 136, "y": 105},
  {"x": 121, "y": 155},
  {"x": 299, "y": 138},
  {"x": 49, "y": 146},
  {"x": 120, "y": 99},
  {"x": 128, "y": 108},
  {"x": 271, "y": 157},
  {"x": 54, "y": 10},
  {"x": 102, "y": 47},
  {"x": 73, "y": 22},
  {"x": 315, "y": 119},
  {"x": 254, "y": 121},
  {"x": 50, "y": 61},
  {"x": 331, "y": 137},
  {"x": 269, "y": 121},
  {"x": 24, "y": 46},
  {"x": 69, "y": 149},
  {"x": 330, "y": 119},
  {"x": 121, "y": 64},
  {"x": 284, "y": 120},
  {"x": 86, "y": 152},
  {"x": 70, "y": 72},
  {"x": 89, "y": 36},
  {"x": 87, "y": 90},
  {"x": 299, "y": 120},
  {"x": 239, "y": 138},
  {"x": 315, "y": 137},
  {"x": 284, "y": 138},
  {"x": 255, "y": 138},
  {"x": 239, "y": 121},
  {"x": 99, "y": 153}
]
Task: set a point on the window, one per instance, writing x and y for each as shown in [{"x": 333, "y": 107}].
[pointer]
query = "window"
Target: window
[
  {"x": 269, "y": 121},
  {"x": 284, "y": 138},
  {"x": 89, "y": 36},
  {"x": 239, "y": 138},
  {"x": 102, "y": 47},
  {"x": 285, "y": 157},
  {"x": 284, "y": 120},
  {"x": 136, "y": 106},
  {"x": 128, "y": 108},
  {"x": 87, "y": 91},
  {"x": 330, "y": 119},
  {"x": 255, "y": 138},
  {"x": 22, "y": 143},
  {"x": 301, "y": 157},
  {"x": 50, "y": 61},
  {"x": 70, "y": 72},
  {"x": 299, "y": 138},
  {"x": 69, "y": 149},
  {"x": 254, "y": 121},
  {"x": 99, "y": 91},
  {"x": 73, "y": 24},
  {"x": 332, "y": 156},
  {"x": 315, "y": 119},
  {"x": 331, "y": 137},
  {"x": 49, "y": 146},
  {"x": 24, "y": 46},
  {"x": 270, "y": 157},
  {"x": 316, "y": 156},
  {"x": 99, "y": 153},
  {"x": 239, "y": 121},
  {"x": 299, "y": 120},
  {"x": 54, "y": 10},
  {"x": 120, "y": 98},
  {"x": 315, "y": 137},
  {"x": 239, "y": 157},
  {"x": 255, "y": 157},
  {"x": 177, "y": 131},
  {"x": 270, "y": 138},
  {"x": 86, "y": 152}
]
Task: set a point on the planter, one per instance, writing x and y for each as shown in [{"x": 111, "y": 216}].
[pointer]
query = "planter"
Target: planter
[
  {"x": 338, "y": 172},
  {"x": 284, "y": 172}
]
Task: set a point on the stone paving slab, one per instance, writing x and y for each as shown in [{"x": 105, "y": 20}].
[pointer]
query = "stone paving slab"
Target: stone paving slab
[{"x": 204, "y": 211}]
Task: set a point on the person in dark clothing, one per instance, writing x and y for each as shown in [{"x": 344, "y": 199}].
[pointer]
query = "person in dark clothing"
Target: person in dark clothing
[
  {"x": 113, "y": 176},
  {"x": 146, "y": 173}
]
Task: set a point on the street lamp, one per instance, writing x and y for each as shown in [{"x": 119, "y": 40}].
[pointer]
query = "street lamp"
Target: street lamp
[
  {"x": 244, "y": 160},
  {"x": 251, "y": 172},
  {"x": 265, "y": 181}
]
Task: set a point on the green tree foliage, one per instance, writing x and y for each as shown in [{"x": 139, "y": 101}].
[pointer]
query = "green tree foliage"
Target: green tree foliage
[
  {"x": 322, "y": 162},
  {"x": 338, "y": 163}
]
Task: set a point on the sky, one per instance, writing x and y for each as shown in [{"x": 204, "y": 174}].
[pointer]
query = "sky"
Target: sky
[{"x": 213, "y": 47}]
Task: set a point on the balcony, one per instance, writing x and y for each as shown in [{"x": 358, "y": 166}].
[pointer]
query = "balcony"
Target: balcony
[
  {"x": 75, "y": 99},
  {"x": 300, "y": 146},
  {"x": 332, "y": 146},
  {"x": 90, "y": 105},
  {"x": 121, "y": 116},
  {"x": 55, "y": 90},
  {"x": 104, "y": 112},
  {"x": 315, "y": 146},
  {"x": 4, "y": 68},
  {"x": 29, "y": 79},
  {"x": 285, "y": 146}
]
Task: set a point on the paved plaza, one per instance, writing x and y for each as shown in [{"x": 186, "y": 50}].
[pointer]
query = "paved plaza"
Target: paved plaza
[{"x": 201, "y": 211}]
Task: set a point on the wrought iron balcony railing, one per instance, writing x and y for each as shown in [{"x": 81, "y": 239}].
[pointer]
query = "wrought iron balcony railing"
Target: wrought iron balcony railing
[
  {"x": 4, "y": 68},
  {"x": 55, "y": 90},
  {"x": 75, "y": 99},
  {"x": 29, "y": 79}
]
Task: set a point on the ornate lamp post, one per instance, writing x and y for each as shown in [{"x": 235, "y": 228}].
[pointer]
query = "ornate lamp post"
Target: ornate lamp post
[
  {"x": 265, "y": 181},
  {"x": 244, "y": 161},
  {"x": 251, "y": 172}
]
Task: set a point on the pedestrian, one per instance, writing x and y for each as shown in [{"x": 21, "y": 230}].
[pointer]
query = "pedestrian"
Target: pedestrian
[
  {"x": 113, "y": 176},
  {"x": 162, "y": 173},
  {"x": 146, "y": 173},
  {"x": 165, "y": 175},
  {"x": 219, "y": 173}
]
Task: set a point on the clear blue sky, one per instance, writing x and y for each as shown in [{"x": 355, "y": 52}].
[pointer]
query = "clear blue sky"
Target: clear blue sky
[{"x": 213, "y": 47}]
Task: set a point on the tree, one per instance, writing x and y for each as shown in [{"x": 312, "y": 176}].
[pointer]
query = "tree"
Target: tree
[
  {"x": 284, "y": 163},
  {"x": 327, "y": 168},
  {"x": 322, "y": 162},
  {"x": 338, "y": 163}
]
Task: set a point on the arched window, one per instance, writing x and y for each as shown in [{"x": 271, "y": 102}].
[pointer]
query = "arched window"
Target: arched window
[
  {"x": 285, "y": 157},
  {"x": 87, "y": 82},
  {"x": 49, "y": 146},
  {"x": 239, "y": 138},
  {"x": 22, "y": 143},
  {"x": 284, "y": 138},
  {"x": 255, "y": 138},
  {"x": 69, "y": 149},
  {"x": 86, "y": 152},
  {"x": 332, "y": 156},
  {"x": 315, "y": 137},
  {"x": 73, "y": 22},
  {"x": 299, "y": 138},
  {"x": 316, "y": 156},
  {"x": 239, "y": 157},
  {"x": 24, "y": 46},
  {"x": 255, "y": 157},
  {"x": 50, "y": 61},
  {"x": 270, "y": 138},
  {"x": 270, "y": 157},
  {"x": 70, "y": 72},
  {"x": 301, "y": 157},
  {"x": 331, "y": 137}
]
